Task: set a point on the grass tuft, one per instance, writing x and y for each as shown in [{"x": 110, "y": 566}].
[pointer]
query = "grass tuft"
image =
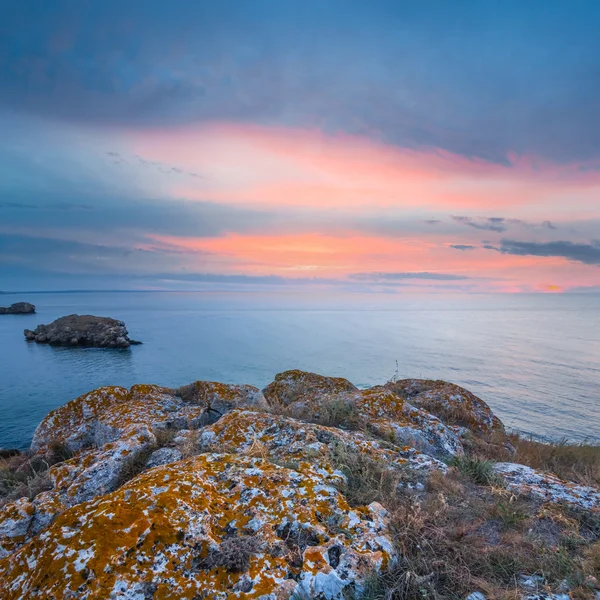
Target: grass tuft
[{"x": 478, "y": 471}]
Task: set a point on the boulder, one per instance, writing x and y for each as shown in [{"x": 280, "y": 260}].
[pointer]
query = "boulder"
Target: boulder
[
  {"x": 163, "y": 456},
  {"x": 213, "y": 526},
  {"x": 524, "y": 480},
  {"x": 450, "y": 402},
  {"x": 18, "y": 308},
  {"x": 311, "y": 448},
  {"x": 310, "y": 396},
  {"x": 82, "y": 330},
  {"x": 105, "y": 414},
  {"x": 295, "y": 385}
]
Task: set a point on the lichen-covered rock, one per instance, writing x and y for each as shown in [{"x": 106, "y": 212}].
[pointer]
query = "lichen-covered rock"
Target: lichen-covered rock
[
  {"x": 15, "y": 521},
  {"x": 91, "y": 473},
  {"x": 103, "y": 415},
  {"x": 96, "y": 472},
  {"x": 293, "y": 386},
  {"x": 387, "y": 414},
  {"x": 450, "y": 402},
  {"x": 163, "y": 456},
  {"x": 309, "y": 448},
  {"x": 18, "y": 308},
  {"x": 213, "y": 526},
  {"x": 219, "y": 398},
  {"x": 391, "y": 417},
  {"x": 527, "y": 481}
]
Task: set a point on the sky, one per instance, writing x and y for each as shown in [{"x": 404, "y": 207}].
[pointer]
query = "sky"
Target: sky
[{"x": 382, "y": 146}]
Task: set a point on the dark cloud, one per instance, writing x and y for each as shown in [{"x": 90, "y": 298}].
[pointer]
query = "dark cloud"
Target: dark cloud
[
  {"x": 462, "y": 247},
  {"x": 488, "y": 223},
  {"x": 588, "y": 254},
  {"x": 375, "y": 276},
  {"x": 432, "y": 221},
  {"x": 114, "y": 214},
  {"x": 499, "y": 224},
  {"x": 46, "y": 206},
  {"x": 500, "y": 78}
]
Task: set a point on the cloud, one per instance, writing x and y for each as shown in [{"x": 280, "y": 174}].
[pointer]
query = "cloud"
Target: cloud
[
  {"x": 499, "y": 224},
  {"x": 462, "y": 247},
  {"x": 408, "y": 275},
  {"x": 371, "y": 69},
  {"x": 488, "y": 223},
  {"x": 588, "y": 254}
]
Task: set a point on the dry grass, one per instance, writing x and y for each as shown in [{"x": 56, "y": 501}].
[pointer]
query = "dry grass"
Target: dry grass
[
  {"x": 134, "y": 465},
  {"x": 367, "y": 480},
  {"x": 576, "y": 462},
  {"x": 333, "y": 411},
  {"x": 465, "y": 533},
  {"x": 233, "y": 554},
  {"x": 164, "y": 437},
  {"x": 22, "y": 476}
]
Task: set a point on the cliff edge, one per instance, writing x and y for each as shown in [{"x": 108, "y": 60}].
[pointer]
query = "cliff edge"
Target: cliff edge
[{"x": 308, "y": 489}]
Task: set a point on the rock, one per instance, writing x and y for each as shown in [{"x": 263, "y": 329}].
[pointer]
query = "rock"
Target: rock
[
  {"x": 388, "y": 415},
  {"x": 15, "y": 520},
  {"x": 531, "y": 582},
  {"x": 201, "y": 528},
  {"x": 163, "y": 456},
  {"x": 312, "y": 449},
  {"x": 218, "y": 491},
  {"x": 104, "y": 415},
  {"x": 529, "y": 482},
  {"x": 18, "y": 308},
  {"x": 97, "y": 472},
  {"x": 82, "y": 330},
  {"x": 451, "y": 403},
  {"x": 219, "y": 398},
  {"x": 293, "y": 386}
]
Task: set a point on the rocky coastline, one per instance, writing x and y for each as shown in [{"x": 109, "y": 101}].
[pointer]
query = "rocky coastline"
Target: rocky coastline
[
  {"x": 308, "y": 489},
  {"x": 18, "y": 308},
  {"x": 82, "y": 330}
]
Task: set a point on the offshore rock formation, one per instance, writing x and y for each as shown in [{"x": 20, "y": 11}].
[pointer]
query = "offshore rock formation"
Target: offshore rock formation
[
  {"x": 82, "y": 330},
  {"x": 18, "y": 308},
  {"x": 224, "y": 491}
]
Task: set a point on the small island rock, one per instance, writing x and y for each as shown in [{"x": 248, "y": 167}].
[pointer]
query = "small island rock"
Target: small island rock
[
  {"x": 18, "y": 308},
  {"x": 82, "y": 330}
]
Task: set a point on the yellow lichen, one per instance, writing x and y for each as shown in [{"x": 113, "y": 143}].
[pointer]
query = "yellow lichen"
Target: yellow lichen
[{"x": 157, "y": 529}]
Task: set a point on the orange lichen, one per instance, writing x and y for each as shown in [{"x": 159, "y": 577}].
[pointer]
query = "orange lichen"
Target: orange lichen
[
  {"x": 311, "y": 448},
  {"x": 452, "y": 403},
  {"x": 378, "y": 408},
  {"x": 157, "y": 529},
  {"x": 102, "y": 415},
  {"x": 291, "y": 386}
]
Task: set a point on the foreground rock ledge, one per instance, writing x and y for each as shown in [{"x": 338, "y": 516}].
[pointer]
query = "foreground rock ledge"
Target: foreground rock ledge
[
  {"x": 82, "y": 330},
  {"x": 18, "y": 308},
  {"x": 223, "y": 491}
]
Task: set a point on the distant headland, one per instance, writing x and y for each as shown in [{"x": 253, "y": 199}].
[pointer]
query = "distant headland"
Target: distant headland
[{"x": 18, "y": 308}]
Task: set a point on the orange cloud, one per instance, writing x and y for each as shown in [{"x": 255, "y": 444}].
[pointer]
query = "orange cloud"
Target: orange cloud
[{"x": 289, "y": 169}]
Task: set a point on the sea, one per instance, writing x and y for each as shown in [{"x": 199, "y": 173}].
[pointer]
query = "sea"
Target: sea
[{"x": 535, "y": 359}]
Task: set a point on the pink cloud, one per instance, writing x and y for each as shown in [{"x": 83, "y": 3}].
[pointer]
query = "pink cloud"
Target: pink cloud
[{"x": 285, "y": 169}]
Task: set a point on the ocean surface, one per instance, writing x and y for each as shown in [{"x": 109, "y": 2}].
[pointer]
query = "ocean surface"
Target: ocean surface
[{"x": 534, "y": 358}]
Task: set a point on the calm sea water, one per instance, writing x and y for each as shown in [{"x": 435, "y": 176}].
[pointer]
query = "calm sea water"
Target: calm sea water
[{"x": 535, "y": 359}]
